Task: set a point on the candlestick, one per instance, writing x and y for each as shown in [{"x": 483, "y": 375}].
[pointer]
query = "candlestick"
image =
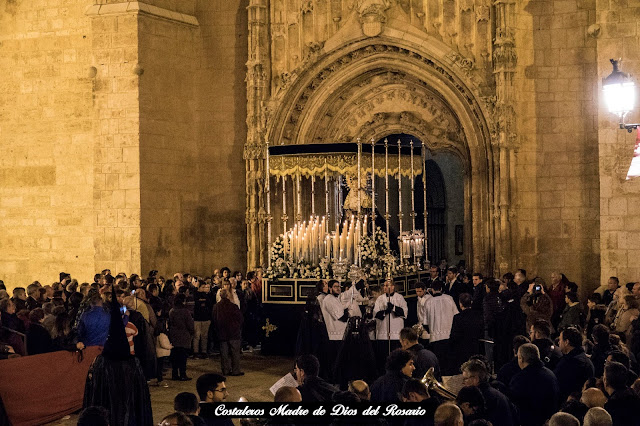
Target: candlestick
[
  {"x": 284, "y": 202},
  {"x": 424, "y": 189},
  {"x": 267, "y": 183},
  {"x": 373, "y": 183},
  {"x": 359, "y": 186},
  {"x": 326, "y": 192},
  {"x": 399, "y": 191},
  {"x": 413, "y": 207},
  {"x": 299, "y": 214},
  {"x": 386, "y": 184}
]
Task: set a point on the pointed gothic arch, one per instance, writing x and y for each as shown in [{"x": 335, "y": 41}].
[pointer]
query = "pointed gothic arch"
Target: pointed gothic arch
[{"x": 379, "y": 86}]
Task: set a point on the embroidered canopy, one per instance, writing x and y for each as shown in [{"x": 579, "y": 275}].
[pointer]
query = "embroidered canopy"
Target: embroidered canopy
[{"x": 342, "y": 159}]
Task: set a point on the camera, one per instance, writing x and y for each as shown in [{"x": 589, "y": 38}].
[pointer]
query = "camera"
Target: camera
[{"x": 537, "y": 288}]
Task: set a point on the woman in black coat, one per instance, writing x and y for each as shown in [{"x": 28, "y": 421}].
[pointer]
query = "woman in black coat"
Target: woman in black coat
[
  {"x": 180, "y": 334},
  {"x": 388, "y": 388},
  {"x": 38, "y": 338}
]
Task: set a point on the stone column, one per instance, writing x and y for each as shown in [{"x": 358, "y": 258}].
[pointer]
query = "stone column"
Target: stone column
[
  {"x": 258, "y": 77},
  {"x": 504, "y": 63}
]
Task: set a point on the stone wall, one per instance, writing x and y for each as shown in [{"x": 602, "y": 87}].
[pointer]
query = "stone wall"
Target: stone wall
[
  {"x": 222, "y": 112},
  {"x": 116, "y": 192},
  {"x": 122, "y": 128},
  {"x": 47, "y": 123},
  {"x": 169, "y": 163},
  {"x": 619, "y": 198},
  {"x": 557, "y": 161}
]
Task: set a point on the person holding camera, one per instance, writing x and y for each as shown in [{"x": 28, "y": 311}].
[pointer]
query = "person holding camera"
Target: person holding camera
[{"x": 536, "y": 303}]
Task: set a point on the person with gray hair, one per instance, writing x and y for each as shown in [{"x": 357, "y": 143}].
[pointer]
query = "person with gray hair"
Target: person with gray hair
[
  {"x": 535, "y": 389},
  {"x": 563, "y": 419},
  {"x": 597, "y": 416},
  {"x": 498, "y": 409}
]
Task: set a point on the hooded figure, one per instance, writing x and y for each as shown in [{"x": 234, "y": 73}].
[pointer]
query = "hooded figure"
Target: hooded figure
[{"x": 116, "y": 381}]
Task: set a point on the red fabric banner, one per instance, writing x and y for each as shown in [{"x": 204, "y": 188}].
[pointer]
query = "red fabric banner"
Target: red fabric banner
[{"x": 38, "y": 389}]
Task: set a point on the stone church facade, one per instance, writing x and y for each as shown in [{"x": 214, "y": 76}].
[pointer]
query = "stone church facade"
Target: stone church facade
[{"x": 132, "y": 134}]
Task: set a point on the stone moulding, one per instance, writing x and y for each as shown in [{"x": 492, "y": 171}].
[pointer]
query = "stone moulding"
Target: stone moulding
[
  {"x": 141, "y": 8},
  {"x": 323, "y": 73}
]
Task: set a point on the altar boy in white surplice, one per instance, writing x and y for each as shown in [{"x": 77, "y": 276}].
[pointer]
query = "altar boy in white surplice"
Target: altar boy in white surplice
[{"x": 390, "y": 312}]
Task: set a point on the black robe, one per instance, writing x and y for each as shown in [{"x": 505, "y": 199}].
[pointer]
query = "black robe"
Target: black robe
[{"x": 121, "y": 388}]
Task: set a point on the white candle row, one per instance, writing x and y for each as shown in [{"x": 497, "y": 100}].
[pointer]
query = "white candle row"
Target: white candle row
[{"x": 311, "y": 241}]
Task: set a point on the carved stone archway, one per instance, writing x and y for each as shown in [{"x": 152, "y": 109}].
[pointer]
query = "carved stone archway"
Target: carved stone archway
[
  {"x": 375, "y": 70},
  {"x": 369, "y": 90}
]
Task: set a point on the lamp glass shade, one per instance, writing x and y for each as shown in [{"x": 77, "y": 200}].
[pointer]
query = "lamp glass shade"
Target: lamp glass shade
[{"x": 620, "y": 97}]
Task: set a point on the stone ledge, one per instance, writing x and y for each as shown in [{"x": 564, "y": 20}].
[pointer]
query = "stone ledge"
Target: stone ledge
[{"x": 142, "y": 8}]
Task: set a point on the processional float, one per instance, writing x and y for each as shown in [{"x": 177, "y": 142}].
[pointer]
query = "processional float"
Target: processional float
[{"x": 350, "y": 233}]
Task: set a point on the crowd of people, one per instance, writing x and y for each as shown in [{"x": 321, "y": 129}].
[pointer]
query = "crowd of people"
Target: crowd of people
[
  {"x": 165, "y": 320},
  {"x": 528, "y": 353},
  {"x": 516, "y": 351}
]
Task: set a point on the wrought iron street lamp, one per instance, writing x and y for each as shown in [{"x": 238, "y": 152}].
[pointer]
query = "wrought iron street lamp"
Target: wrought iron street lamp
[{"x": 620, "y": 95}]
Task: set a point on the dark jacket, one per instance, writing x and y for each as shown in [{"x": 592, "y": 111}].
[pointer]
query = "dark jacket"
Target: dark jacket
[
  {"x": 13, "y": 322},
  {"x": 203, "y": 304},
  {"x": 227, "y": 320},
  {"x": 534, "y": 391},
  {"x": 20, "y": 304},
  {"x": 595, "y": 316},
  {"x": 208, "y": 414},
  {"x": 599, "y": 357},
  {"x": 478, "y": 294},
  {"x": 196, "y": 420},
  {"x": 623, "y": 407},
  {"x": 315, "y": 389},
  {"x": 456, "y": 289},
  {"x": 39, "y": 340},
  {"x": 388, "y": 388},
  {"x": 32, "y": 304},
  {"x": 499, "y": 410},
  {"x": 157, "y": 305},
  {"x": 571, "y": 316},
  {"x": 550, "y": 353},
  {"x": 491, "y": 306},
  {"x": 507, "y": 371},
  {"x": 466, "y": 331},
  {"x": 180, "y": 327},
  {"x": 607, "y": 296},
  {"x": 572, "y": 371},
  {"x": 423, "y": 360}
]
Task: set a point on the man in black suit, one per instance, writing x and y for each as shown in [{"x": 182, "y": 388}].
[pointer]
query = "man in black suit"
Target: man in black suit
[
  {"x": 212, "y": 391},
  {"x": 478, "y": 291},
  {"x": 434, "y": 275},
  {"x": 454, "y": 286},
  {"x": 574, "y": 368},
  {"x": 466, "y": 331},
  {"x": 534, "y": 390}
]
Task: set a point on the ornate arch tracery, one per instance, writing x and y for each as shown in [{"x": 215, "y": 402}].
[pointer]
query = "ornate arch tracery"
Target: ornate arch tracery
[{"x": 371, "y": 87}]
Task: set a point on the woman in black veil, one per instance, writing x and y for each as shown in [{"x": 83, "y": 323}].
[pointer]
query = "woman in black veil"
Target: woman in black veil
[
  {"x": 116, "y": 381},
  {"x": 312, "y": 334},
  {"x": 356, "y": 359}
]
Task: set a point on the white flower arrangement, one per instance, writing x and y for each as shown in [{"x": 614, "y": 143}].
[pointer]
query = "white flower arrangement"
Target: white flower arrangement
[
  {"x": 281, "y": 268},
  {"x": 376, "y": 254}
]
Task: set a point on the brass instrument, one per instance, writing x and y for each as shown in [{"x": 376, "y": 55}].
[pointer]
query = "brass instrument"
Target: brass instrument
[{"x": 432, "y": 384}]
